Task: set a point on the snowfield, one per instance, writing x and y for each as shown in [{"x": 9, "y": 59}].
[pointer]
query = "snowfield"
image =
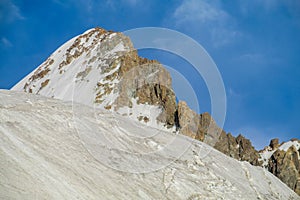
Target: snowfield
[{"x": 50, "y": 149}]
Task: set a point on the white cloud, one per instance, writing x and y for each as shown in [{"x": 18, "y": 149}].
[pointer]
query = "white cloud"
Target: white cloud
[
  {"x": 206, "y": 17},
  {"x": 114, "y": 4},
  {"x": 252, "y": 57},
  {"x": 198, "y": 11},
  {"x": 268, "y": 6},
  {"x": 259, "y": 61},
  {"x": 222, "y": 36},
  {"x": 233, "y": 93},
  {"x": 60, "y": 2},
  {"x": 9, "y": 12},
  {"x": 131, "y": 2},
  {"x": 5, "y": 42}
]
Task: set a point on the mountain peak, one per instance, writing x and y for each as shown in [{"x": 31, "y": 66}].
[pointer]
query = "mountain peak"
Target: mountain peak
[{"x": 102, "y": 69}]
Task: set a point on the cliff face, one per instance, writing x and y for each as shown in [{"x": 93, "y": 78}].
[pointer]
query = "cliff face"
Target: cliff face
[
  {"x": 283, "y": 161},
  {"x": 286, "y": 166},
  {"x": 203, "y": 127},
  {"x": 239, "y": 148},
  {"x": 198, "y": 126}
]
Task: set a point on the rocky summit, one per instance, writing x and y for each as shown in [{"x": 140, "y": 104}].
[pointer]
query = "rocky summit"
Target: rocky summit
[{"x": 101, "y": 69}]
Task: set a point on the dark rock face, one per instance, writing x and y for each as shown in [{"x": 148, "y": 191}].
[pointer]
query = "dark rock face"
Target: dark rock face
[
  {"x": 239, "y": 148},
  {"x": 274, "y": 143},
  {"x": 247, "y": 151},
  {"x": 188, "y": 122},
  {"x": 286, "y": 166},
  {"x": 227, "y": 145},
  {"x": 149, "y": 83},
  {"x": 201, "y": 127}
]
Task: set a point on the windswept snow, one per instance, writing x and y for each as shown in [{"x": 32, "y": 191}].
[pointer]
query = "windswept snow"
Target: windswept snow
[
  {"x": 285, "y": 146},
  {"x": 89, "y": 55},
  {"x": 50, "y": 149}
]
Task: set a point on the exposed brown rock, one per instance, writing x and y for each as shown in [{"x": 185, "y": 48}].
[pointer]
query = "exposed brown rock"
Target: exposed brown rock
[
  {"x": 45, "y": 83},
  {"x": 239, "y": 148},
  {"x": 201, "y": 127},
  {"x": 274, "y": 143},
  {"x": 286, "y": 166},
  {"x": 189, "y": 122},
  {"x": 297, "y": 187},
  {"x": 210, "y": 129},
  {"x": 247, "y": 151},
  {"x": 227, "y": 145},
  {"x": 79, "y": 49},
  {"x": 149, "y": 83}
]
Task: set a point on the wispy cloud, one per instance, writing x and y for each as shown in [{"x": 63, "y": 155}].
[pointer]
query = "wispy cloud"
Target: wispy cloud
[
  {"x": 268, "y": 6},
  {"x": 206, "y": 16},
  {"x": 258, "y": 61},
  {"x": 252, "y": 58},
  {"x": 198, "y": 11},
  {"x": 131, "y": 2},
  {"x": 233, "y": 93},
  {"x": 222, "y": 36},
  {"x": 9, "y": 12},
  {"x": 127, "y": 3},
  {"x": 5, "y": 43},
  {"x": 246, "y": 7}
]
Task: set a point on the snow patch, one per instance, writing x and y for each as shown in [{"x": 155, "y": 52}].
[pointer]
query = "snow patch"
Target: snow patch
[{"x": 285, "y": 146}]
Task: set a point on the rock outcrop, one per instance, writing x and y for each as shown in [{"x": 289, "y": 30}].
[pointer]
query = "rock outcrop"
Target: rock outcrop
[
  {"x": 198, "y": 126},
  {"x": 188, "y": 122},
  {"x": 283, "y": 161},
  {"x": 203, "y": 127},
  {"x": 286, "y": 166},
  {"x": 238, "y": 147},
  {"x": 274, "y": 143},
  {"x": 149, "y": 84}
]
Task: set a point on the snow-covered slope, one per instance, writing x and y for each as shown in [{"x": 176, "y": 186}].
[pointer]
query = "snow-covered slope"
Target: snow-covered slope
[
  {"x": 50, "y": 149},
  {"x": 101, "y": 68},
  {"x": 73, "y": 70}
]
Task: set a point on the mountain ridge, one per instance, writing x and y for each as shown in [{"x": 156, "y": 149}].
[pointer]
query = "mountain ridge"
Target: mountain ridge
[{"x": 102, "y": 69}]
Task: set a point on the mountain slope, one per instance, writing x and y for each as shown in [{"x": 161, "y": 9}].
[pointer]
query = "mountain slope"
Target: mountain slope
[
  {"x": 102, "y": 69},
  {"x": 51, "y": 149}
]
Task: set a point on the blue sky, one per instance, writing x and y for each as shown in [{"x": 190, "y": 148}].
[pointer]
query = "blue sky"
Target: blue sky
[{"x": 254, "y": 43}]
